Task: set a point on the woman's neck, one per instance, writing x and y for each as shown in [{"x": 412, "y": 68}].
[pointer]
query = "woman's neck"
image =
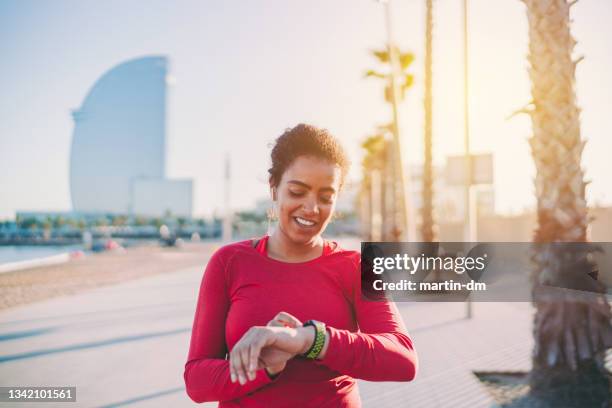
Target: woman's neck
[{"x": 282, "y": 248}]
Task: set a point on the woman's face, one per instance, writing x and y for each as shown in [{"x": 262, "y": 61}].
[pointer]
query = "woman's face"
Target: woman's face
[{"x": 306, "y": 198}]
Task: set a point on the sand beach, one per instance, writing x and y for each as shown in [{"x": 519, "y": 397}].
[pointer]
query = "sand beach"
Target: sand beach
[{"x": 95, "y": 270}]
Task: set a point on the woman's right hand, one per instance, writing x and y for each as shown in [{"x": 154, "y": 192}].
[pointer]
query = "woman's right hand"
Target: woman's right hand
[
  {"x": 275, "y": 360},
  {"x": 268, "y": 346}
]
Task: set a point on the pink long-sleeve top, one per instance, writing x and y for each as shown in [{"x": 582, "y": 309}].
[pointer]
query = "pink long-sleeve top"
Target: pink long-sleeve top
[{"x": 242, "y": 287}]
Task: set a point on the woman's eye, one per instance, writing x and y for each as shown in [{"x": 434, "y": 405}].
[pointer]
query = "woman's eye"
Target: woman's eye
[
  {"x": 327, "y": 200},
  {"x": 296, "y": 193}
]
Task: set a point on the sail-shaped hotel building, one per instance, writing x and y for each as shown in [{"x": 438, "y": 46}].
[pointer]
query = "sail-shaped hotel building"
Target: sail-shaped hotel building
[{"x": 117, "y": 161}]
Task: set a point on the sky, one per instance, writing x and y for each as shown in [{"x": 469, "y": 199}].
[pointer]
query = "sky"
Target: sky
[{"x": 244, "y": 71}]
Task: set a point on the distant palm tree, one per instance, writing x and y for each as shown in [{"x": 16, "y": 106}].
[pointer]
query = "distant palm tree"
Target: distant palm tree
[
  {"x": 373, "y": 161},
  {"x": 570, "y": 335},
  {"x": 428, "y": 232},
  {"x": 405, "y": 79},
  {"x": 394, "y": 208}
]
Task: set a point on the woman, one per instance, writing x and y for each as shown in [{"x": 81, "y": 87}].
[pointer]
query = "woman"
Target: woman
[{"x": 256, "y": 294}]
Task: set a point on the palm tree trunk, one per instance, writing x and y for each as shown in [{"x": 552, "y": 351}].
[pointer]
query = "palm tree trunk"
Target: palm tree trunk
[
  {"x": 389, "y": 192},
  {"x": 366, "y": 210},
  {"x": 427, "y": 220},
  {"x": 570, "y": 334},
  {"x": 371, "y": 185}
]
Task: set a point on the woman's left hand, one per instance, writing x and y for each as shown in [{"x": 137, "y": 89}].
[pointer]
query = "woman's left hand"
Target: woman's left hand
[{"x": 244, "y": 358}]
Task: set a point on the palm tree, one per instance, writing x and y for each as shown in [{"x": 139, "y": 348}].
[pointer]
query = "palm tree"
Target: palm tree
[
  {"x": 570, "y": 335},
  {"x": 405, "y": 78},
  {"x": 428, "y": 233},
  {"x": 373, "y": 163},
  {"x": 401, "y": 81}
]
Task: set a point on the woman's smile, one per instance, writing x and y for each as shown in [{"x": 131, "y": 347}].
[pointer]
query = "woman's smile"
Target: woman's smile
[
  {"x": 305, "y": 223},
  {"x": 305, "y": 200}
]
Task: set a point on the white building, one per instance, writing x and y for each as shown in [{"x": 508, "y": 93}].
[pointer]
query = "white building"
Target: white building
[
  {"x": 449, "y": 198},
  {"x": 119, "y": 141}
]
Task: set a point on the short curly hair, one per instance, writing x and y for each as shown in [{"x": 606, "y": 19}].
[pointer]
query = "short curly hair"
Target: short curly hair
[{"x": 306, "y": 140}]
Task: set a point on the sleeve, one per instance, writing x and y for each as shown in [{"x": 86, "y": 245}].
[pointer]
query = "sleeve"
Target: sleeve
[
  {"x": 207, "y": 375},
  {"x": 381, "y": 350}
]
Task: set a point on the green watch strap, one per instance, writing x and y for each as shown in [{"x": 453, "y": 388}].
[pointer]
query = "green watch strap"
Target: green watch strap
[{"x": 319, "y": 340}]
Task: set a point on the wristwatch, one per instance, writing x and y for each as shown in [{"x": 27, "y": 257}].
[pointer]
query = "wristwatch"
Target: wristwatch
[{"x": 319, "y": 340}]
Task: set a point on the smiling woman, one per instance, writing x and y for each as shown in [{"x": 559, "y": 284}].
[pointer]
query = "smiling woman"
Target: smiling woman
[
  {"x": 308, "y": 170},
  {"x": 280, "y": 320},
  {"x": 305, "y": 199}
]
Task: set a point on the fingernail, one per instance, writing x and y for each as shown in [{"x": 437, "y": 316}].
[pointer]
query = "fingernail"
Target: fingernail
[
  {"x": 233, "y": 378},
  {"x": 241, "y": 379}
]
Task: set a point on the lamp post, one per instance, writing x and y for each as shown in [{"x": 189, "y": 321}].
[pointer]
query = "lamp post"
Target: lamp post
[{"x": 469, "y": 231}]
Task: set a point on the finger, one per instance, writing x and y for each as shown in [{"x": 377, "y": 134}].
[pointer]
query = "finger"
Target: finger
[
  {"x": 237, "y": 366},
  {"x": 254, "y": 351},
  {"x": 243, "y": 364},
  {"x": 286, "y": 323},
  {"x": 288, "y": 319},
  {"x": 242, "y": 355},
  {"x": 274, "y": 323},
  {"x": 232, "y": 358}
]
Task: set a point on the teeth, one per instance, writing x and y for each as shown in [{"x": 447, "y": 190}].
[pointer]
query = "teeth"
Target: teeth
[{"x": 304, "y": 222}]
